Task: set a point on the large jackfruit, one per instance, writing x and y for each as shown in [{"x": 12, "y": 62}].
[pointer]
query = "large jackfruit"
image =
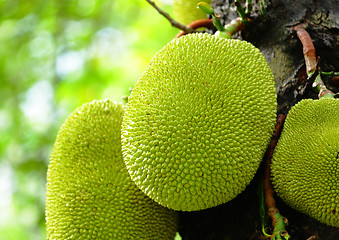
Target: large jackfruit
[
  {"x": 187, "y": 11},
  {"x": 198, "y": 121},
  {"x": 89, "y": 192},
  {"x": 305, "y": 164}
]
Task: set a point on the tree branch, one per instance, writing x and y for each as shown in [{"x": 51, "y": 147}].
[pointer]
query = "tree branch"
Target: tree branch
[
  {"x": 170, "y": 19},
  {"x": 278, "y": 221},
  {"x": 270, "y": 202}
]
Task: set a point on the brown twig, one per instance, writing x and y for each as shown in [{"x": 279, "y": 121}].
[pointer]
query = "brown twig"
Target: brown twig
[
  {"x": 308, "y": 48},
  {"x": 208, "y": 23},
  {"x": 320, "y": 86},
  {"x": 278, "y": 221},
  {"x": 170, "y": 19},
  {"x": 269, "y": 200},
  {"x": 311, "y": 62}
]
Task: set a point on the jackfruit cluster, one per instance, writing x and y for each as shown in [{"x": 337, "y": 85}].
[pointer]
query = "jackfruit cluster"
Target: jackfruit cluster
[
  {"x": 89, "y": 192},
  {"x": 186, "y": 11},
  {"x": 305, "y": 164},
  {"x": 198, "y": 121}
]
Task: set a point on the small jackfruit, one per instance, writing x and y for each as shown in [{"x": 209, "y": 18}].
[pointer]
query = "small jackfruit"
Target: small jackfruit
[
  {"x": 187, "y": 11},
  {"x": 305, "y": 164},
  {"x": 198, "y": 121},
  {"x": 89, "y": 192}
]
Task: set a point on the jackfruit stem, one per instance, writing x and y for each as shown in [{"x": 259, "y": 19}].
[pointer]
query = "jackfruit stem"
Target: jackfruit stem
[
  {"x": 269, "y": 200},
  {"x": 207, "y": 23},
  {"x": 278, "y": 221},
  {"x": 207, "y": 8},
  {"x": 334, "y": 76},
  {"x": 235, "y": 25},
  {"x": 238, "y": 24},
  {"x": 322, "y": 90},
  {"x": 170, "y": 19}
]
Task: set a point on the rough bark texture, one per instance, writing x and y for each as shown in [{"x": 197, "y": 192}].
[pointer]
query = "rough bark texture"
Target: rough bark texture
[{"x": 239, "y": 218}]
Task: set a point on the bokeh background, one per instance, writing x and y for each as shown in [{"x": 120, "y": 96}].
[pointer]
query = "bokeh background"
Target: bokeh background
[{"x": 54, "y": 56}]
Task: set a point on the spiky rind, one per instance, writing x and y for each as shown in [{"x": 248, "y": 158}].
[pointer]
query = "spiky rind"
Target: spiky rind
[
  {"x": 305, "y": 165},
  {"x": 198, "y": 121},
  {"x": 89, "y": 192}
]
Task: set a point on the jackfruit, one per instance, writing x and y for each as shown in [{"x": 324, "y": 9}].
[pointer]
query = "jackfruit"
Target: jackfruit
[
  {"x": 198, "y": 121},
  {"x": 186, "y": 11},
  {"x": 89, "y": 192},
  {"x": 305, "y": 164}
]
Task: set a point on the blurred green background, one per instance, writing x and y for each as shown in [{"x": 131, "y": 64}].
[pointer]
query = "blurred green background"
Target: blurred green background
[{"x": 54, "y": 56}]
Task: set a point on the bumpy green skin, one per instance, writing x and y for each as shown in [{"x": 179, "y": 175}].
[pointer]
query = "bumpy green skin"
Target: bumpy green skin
[
  {"x": 198, "y": 121},
  {"x": 89, "y": 192},
  {"x": 186, "y": 11},
  {"x": 305, "y": 165}
]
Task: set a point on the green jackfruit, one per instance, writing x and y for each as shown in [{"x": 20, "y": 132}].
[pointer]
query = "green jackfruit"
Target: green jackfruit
[
  {"x": 186, "y": 11},
  {"x": 89, "y": 192},
  {"x": 305, "y": 164},
  {"x": 198, "y": 121}
]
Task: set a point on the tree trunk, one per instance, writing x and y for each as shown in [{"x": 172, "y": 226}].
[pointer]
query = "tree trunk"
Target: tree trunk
[{"x": 239, "y": 219}]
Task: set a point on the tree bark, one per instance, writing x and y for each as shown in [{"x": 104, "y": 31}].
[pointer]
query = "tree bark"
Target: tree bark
[{"x": 239, "y": 219}]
